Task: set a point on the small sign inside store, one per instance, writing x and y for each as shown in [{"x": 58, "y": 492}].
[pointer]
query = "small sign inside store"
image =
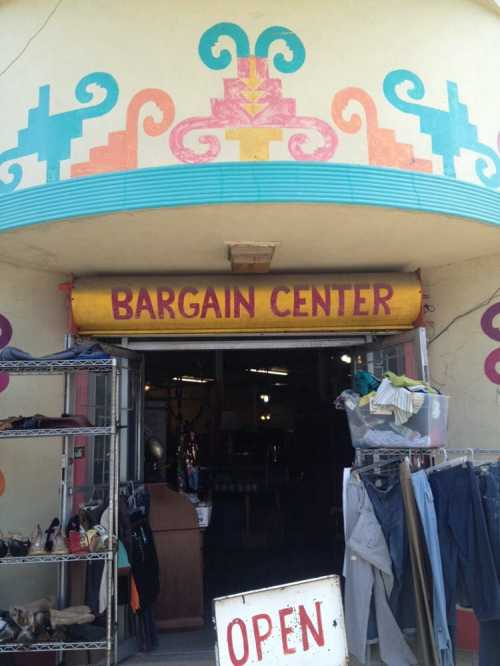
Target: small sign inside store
[
  {"x": 299, "y": 623},
  {"x": 229, "y": 304}
]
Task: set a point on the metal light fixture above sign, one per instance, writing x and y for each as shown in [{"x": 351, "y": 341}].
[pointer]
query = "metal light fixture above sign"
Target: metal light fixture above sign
[{"x": 250, "y": 256}]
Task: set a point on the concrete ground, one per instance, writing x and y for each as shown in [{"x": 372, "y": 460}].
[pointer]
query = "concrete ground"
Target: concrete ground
[{"x": 196, "y": 649}]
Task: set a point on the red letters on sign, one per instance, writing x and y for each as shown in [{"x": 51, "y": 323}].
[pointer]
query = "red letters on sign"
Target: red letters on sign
[
  {"x": 274, "y": 302},
  {"x": 165, "y": 299},
  {"x": 261, "y": 637},
  {"x": 306, "y": 625},
  {"x": 379, "y": 300},
  {"x": 120, "y": 302},
  {"x": 230, "y": 644},
  {"x": 285, "y": 631}
]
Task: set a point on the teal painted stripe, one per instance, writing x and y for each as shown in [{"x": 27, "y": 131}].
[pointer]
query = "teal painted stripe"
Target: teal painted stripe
[{"x": 244, "y": 182}]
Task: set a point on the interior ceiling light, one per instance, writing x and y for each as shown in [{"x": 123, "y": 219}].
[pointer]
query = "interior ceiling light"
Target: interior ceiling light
[
  {"x": 250, "y": 256},
  {"x": 345, "y": 358},
  {"x": 282, "y": 372},
  {"x": 192, "y": 380}
]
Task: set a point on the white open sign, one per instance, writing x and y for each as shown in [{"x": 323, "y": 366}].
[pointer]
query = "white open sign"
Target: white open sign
[{"x": 299, "y": 623}]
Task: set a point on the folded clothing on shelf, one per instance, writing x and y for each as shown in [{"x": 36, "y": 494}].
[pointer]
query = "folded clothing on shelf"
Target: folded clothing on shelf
[
  {"x": 41, "y": 422},
  {"x": 79, "y": 352}
]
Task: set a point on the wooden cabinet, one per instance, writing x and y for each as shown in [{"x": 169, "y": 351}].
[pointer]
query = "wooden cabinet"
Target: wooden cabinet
[{"x": 179, "y": 545}]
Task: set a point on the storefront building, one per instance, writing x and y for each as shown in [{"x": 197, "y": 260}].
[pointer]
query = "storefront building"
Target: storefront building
[{"x": 355, "y": 148}]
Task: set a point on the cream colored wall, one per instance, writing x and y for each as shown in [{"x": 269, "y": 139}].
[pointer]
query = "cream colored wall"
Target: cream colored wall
[
  {"x": 457, "y": 357},
  {"x": 30, "y": 300},
  {"x": 154, "y": 44}
]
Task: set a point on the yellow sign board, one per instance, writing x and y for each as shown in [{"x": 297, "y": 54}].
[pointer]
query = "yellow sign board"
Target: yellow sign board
[{"x": 161, "y": 305}]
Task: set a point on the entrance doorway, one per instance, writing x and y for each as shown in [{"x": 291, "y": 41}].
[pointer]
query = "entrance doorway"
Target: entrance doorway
[{"x": 269, "y": 448}]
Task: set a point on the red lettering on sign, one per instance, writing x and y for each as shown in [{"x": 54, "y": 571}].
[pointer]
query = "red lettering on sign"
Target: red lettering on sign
[
  {"x": 359, "y": 300},
  {"x": 341, "y": 288},
  {"x": 274, "y": 302},
  {"x": 230, "y": 644},
  {"x": 298, "y": 302},
  {"x": 144, "y": 303},
  {"x": 307, "y": 624},
  {"x": 210, "y": 302},
  {"x": 319, "y": 301},
  {"x": 379, "y": 300},
  {"x": 193, "y": 307},
  {"x": 120, "y": 301},
  {"x": 247, "y": 304},
  {"x": 227, "y": 302},
  {"x": 285, "y": 631},
  {"x": 165, "y": 299},
  {"x": 260, "y": 637}
]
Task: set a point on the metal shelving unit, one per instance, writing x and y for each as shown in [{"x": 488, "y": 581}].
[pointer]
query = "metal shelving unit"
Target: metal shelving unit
[
  {"x": 55, "y": 647},
  {"x": 67, "y": 368},
  {"x": 55, "y": 432},
  {"x": 56, "y": 559}
]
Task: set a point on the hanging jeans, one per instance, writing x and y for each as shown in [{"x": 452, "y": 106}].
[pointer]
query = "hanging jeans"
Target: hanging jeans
[
  {"x": 387, "y": 502},
  {"x": 369, "y": 578},
  {"x": 489, "y": 481},
  {"x": 427, "y": 512},
  {"x": 422, "y": 574},
  {"x": 466, "y": 550}
]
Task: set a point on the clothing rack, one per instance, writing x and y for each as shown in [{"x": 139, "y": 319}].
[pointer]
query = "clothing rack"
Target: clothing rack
[{"x": 433, "y": 455}]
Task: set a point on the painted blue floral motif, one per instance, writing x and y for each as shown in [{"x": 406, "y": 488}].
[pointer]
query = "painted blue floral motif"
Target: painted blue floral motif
[
  {"x": 49, "y": 136},
  {"x": 450, "y": 131},
  {"x": 211, "y": 37}
]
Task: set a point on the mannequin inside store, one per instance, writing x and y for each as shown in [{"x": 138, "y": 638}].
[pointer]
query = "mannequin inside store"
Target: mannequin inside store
[{"x": 256, "y": 436}]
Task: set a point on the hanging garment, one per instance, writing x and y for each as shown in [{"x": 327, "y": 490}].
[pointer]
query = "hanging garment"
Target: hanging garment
[
  {"x": 387, "y": 500},
  {"x": 469, "y": 570},
  {"x": 421, "y": 575},
  {"x": 369, "y": 575},
  {"x": 427, "y": 512},
  {"x": 489, "y": 484}
]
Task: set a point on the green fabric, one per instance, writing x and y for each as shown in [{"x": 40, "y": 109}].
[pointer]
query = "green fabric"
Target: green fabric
[
  {"x": 402, "y": 381},
  {"x": 123, "y": 561}
]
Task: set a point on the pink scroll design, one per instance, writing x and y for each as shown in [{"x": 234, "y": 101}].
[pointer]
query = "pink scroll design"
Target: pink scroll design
[
  {"x": 5, "y": 338},
  {"x": 383, "y": 149},
  {"x": 120, "y": 153},
  {"x": 254, "y": 101}
]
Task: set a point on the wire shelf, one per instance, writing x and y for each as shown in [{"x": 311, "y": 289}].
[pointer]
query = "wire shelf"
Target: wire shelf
[
  {"x": 47, "y": 367},
  {"x": 57, "y": 432},
  {"x": 49, "y": 559},
  {"x": 55, "y": 647}
]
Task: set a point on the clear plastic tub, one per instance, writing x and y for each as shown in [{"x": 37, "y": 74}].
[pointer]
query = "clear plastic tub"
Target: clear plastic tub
[{"x": 428, "y": 428}]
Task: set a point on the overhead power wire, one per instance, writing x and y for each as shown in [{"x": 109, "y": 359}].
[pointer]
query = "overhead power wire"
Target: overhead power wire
[
  {"x": 30, "y": 40},
  {"x": 477, "y": 307}
]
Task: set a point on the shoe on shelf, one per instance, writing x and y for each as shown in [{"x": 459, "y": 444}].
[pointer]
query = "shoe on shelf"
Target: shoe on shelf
[
  {"x": 37, "y": 542},
  {"x": 50, "y": 533},
  {"x": 77, "y": 542},
  {"x": 4, "y": 546},
  {"x": 9, "y": 630},
  {"x": 59, "y": 546},
  {"x": 18, "y": 545}
]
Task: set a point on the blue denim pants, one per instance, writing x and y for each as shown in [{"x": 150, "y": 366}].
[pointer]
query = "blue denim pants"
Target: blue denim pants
[
  {"x": 387, "y": 500},
  {"x": 469, "y": 567},
  {"x": 489, "y": 482}
]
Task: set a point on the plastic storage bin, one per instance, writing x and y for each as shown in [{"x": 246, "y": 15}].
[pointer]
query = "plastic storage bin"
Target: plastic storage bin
[{"x": 428, "y": 428}]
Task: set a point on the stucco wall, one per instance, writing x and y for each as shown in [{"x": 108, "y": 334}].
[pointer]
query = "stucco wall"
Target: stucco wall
[
  {"x": 420, "y": 74},
  {"x": 34, "y": 308},
  {"x": 463, "y": 357}
]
